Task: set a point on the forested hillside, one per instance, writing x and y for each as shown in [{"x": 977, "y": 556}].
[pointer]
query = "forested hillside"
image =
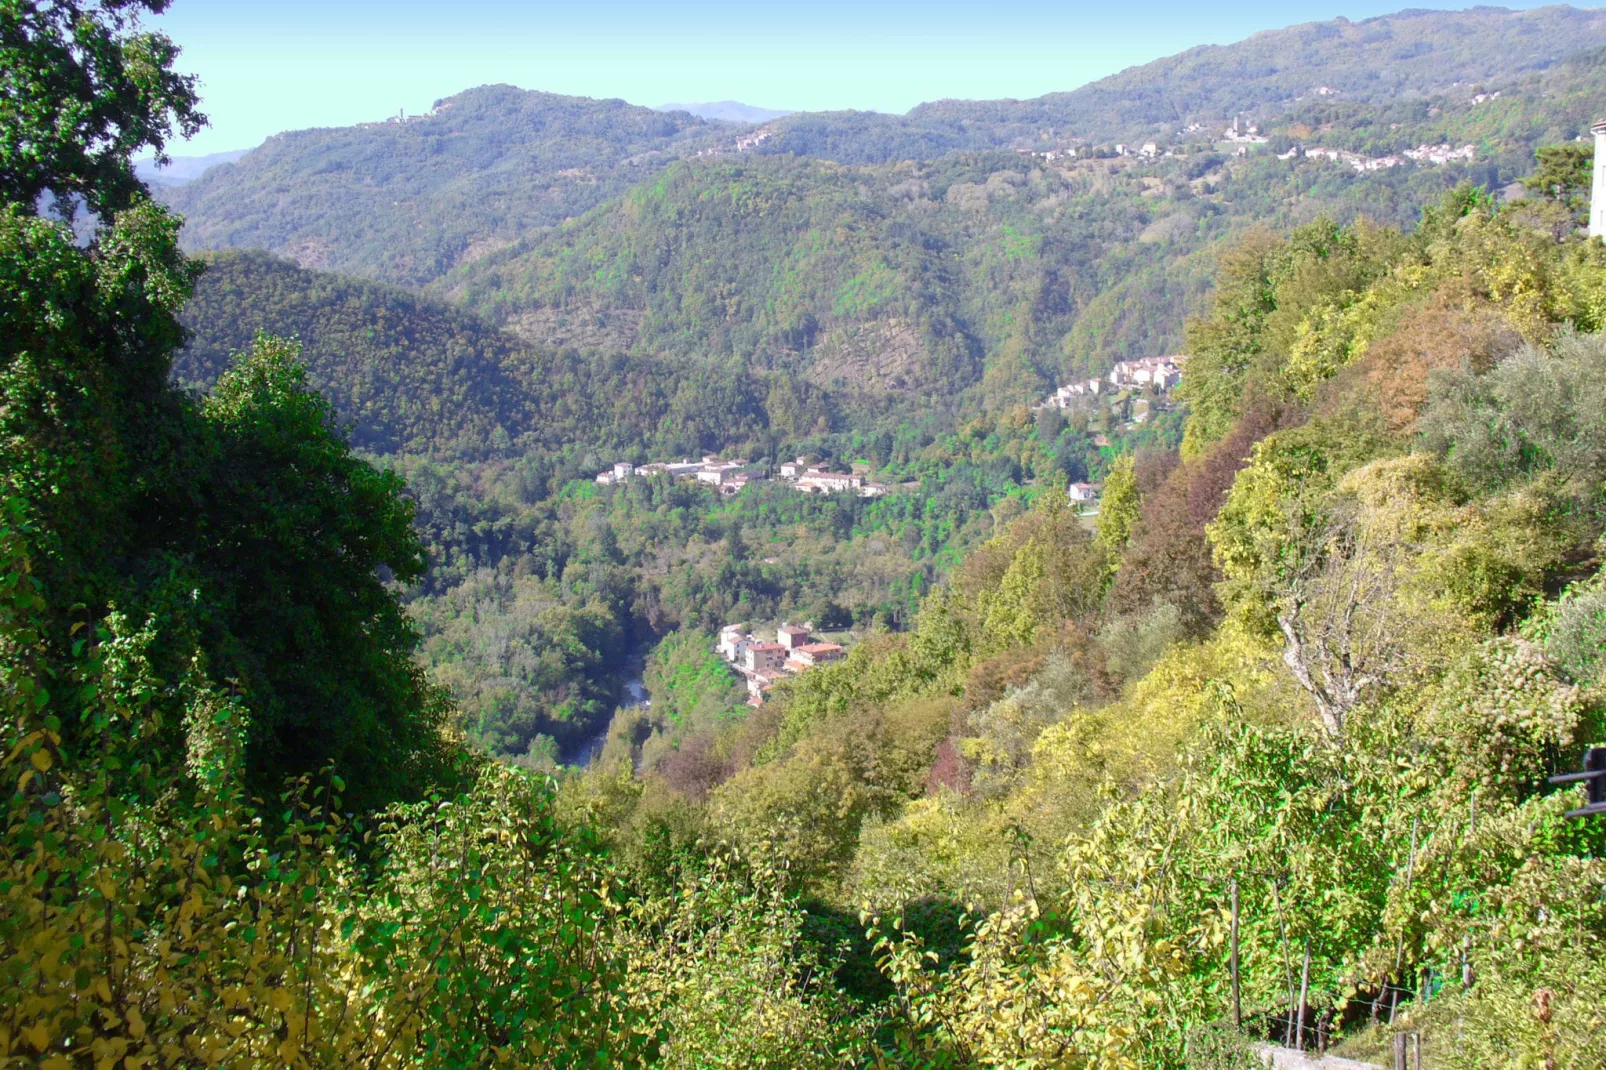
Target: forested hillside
[
  {"x": 1414, "y": 55},
  {"x": 409, "y": 374},
  {"x": 995, "y": 271},
  {"x": 1317, "y": 666},
  {"x": 405, "y": 201},
  {"x": 1258, "y": 752}
]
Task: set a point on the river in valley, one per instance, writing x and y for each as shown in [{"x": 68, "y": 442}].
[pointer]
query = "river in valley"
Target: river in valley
[{"x": 633, "y": 692}]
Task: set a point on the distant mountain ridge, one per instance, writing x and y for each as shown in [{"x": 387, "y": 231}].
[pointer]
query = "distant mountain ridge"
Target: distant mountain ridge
[
  {"x": 412, "y": 202},
  {"x": 182, "y": 169},
  {"x": 1413, "y": 54},
  {"x": 728, "y": 111},
  {"x": 405, "y": 201}
]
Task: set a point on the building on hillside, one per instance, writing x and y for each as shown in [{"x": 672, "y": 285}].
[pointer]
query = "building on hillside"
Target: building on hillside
[
  {"x": 1242, "y": 135},
  {"x": 733, "y": 643},
  {"x": 819, "y": 481},
  {"x": 684, "y": 469},
  {"x": 1161, "y": 373},
  {"x": 793, "y": 469},
  {"x": 757, "y": 684},
  {"x": 874, "y": 490},
  {"x": 810, "y": 655},
  {"x": 1149, "y": 150},
  {"x": 764, "y": 657},
  {"x": 791, "y": 636},
  {"x": 1083, "y": 492},
  {"x": 1597, "y": 190}
]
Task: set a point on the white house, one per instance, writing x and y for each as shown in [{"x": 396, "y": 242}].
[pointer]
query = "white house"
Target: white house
[
  {"x": 1083, "y": 492},
  {"x": 820, "y": 481},
  {"x": 733, "y": 643}
]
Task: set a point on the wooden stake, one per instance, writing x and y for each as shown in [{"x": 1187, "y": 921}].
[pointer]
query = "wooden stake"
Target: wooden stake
[
  {"x": 1237, "y": 1002},
  {"x": 1304, "y": 990},
  {"x": 1400, "y": 1052}
]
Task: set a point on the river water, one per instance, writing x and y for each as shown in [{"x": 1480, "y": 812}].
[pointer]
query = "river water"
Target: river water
[{"x": 634, "y": 693}]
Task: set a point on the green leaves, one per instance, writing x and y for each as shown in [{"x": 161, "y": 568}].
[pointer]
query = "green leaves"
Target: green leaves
[{"x": 86, "y": 89}]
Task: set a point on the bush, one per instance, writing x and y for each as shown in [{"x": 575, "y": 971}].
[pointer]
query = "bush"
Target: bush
[
  {"x": 1218, "y": 1046},
  {"x": 1577, "y": 640}
]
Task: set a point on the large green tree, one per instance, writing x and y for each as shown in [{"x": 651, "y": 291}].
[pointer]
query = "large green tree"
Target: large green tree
[
  {"x": 83, "y": 87},
  {"x": 238, "y": 532}
]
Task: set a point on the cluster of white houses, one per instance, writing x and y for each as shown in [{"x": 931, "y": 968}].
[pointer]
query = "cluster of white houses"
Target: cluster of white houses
[
  {"x": 763, "y": 664},
  {"x": 1433, "y": 155},
  {"x": 1157, "y": 373},
  {"x": 730, "y": 476}
]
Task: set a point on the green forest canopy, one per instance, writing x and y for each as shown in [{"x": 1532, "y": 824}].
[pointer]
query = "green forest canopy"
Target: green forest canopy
[{"x": 1319, "y": 664}]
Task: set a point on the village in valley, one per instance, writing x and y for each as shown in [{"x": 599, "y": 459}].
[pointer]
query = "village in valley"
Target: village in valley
[
  {"x": 793, "y": 651},
  {"x": 732, "y": 476},
  {"x": 1130, "y": 395}
]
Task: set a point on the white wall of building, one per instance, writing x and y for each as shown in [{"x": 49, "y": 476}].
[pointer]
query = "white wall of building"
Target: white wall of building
[{"x": 1597, "y": 190}]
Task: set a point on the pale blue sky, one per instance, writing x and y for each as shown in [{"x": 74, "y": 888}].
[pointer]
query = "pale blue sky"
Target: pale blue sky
[{"x": 273, "y": 65}]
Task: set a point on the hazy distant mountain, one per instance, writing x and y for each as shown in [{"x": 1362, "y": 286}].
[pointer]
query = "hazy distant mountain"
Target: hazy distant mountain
[
  {"x": 407, "y": 201},
  {"x": 1407, "y": 56},
  {"x": 182, "y": 169},
  {"x": 729, "y": 111}
]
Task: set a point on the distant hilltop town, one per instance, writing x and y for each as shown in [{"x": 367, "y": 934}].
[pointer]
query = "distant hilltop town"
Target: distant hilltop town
[
  {"x": 732, "y": 476},
  {"x": 1126, "y": 380},
  {"x": 763, "y": 664}
]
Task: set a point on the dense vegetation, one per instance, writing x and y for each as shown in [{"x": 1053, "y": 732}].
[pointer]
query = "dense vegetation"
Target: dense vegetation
[
  {"x": 407, "y": 200},
  {"x": 1291, "y": 701},
  {"x": 990, "y": 278},
  {"x": 411, "y": 375},
  {"x": 1327, "y": 658}
]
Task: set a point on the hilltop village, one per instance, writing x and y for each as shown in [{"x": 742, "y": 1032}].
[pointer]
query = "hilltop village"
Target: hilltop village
[
  {"x": 732, "y": 476},
  {"x": 762, "y": 664},
  {"x": 1130, "y": 395}
]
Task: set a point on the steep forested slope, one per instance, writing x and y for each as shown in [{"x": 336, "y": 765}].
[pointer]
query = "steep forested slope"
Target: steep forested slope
[
  {"x": 987, "y": 270},
  {"x": 405, "y": 201},
  {"x": 1302, "y": 684},
  {"x": 410, "y": 374}
]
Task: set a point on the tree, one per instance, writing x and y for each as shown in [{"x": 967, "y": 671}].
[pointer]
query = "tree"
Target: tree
[
  {"x": 293, "y": 545},
  {"x": 84, "y": 89},
  {"x": 238, "y": 535},
  {"x": 1118, "y": 507},
  {"x": 1564, "y": 174}
]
